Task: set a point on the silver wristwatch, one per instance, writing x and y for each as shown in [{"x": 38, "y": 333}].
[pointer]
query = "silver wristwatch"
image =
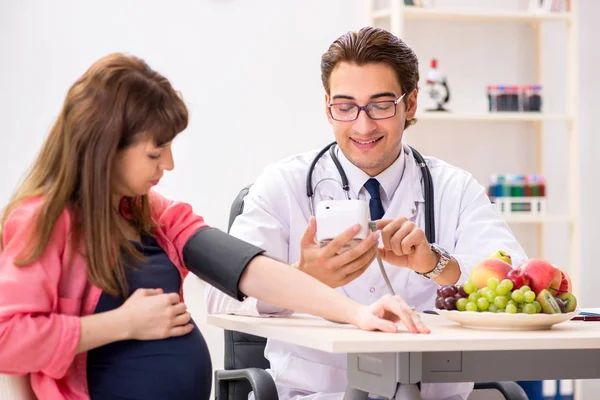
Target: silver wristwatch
[{"x": 441, "y": 264}]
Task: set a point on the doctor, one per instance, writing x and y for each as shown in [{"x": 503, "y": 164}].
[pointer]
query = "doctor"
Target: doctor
[{"x": 370, "y": 79}]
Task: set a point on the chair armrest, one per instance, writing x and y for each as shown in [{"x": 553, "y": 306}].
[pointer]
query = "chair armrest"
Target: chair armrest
[
  {"x": 510, "y": 390},
  {"x": 261, "y": 381}
]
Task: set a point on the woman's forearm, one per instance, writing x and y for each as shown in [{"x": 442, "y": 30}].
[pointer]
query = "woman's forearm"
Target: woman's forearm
[
  {"x": 100, "y": 329},
  {"x": 281, "y": 285}
]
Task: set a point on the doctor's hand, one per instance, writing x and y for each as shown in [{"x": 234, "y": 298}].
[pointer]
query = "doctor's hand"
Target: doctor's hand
[
  {"x": 405, "y": 245},
  {"x": 334, "y": 270},
  {"x": 392, "y": 309}
]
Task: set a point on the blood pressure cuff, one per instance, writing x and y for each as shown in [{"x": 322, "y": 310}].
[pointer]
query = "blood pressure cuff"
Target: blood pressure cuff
[{"x": 219, "y": 259}]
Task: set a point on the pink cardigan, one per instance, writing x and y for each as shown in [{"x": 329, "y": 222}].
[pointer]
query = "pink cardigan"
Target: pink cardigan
[{"x": 40, "y": 304}]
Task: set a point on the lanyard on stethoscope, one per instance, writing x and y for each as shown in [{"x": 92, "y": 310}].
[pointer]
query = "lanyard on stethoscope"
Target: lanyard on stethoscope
[{"x": 427, "y": 185}]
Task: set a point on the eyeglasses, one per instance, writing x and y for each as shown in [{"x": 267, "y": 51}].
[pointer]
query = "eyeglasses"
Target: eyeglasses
[{"x": 346, "y": 112}]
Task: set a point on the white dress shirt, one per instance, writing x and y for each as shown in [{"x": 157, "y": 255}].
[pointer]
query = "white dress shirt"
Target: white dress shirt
[{"x": 276, "y": 214}]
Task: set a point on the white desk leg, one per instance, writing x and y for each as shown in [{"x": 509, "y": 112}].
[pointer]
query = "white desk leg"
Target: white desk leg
[
  {"x": 355, "y": 394},
  {"x": 404, "y": 392},
  {"x": 380, "y": 373},
  {"x": 408, "y": 391}
]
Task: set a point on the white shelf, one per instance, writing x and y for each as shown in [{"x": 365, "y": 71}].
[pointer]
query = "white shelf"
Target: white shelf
[
  {"x": 395, "y": 17},
  {"x": 498, "y": 116},
  {"x": 451, "y": 14},
  {"x": 379, "y": 14},
  {"x": 537, "y": 219}
]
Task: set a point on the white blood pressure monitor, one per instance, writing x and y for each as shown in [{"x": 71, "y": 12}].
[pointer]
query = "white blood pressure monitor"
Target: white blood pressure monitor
[{"x": 336, "y": 216}]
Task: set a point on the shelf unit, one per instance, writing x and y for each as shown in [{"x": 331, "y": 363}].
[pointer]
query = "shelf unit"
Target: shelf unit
[
  {"x": 452, "y": 14},
  {"x": 397, "y": 13},
  {"x": 541, "y": 219},
  {"x": 493, "y": 117},
  {"x": 393, "y": 17}
]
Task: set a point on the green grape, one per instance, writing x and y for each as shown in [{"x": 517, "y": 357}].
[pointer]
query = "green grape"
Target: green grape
[
  {"x": 461, "y": 304},
  {"x": 492, "y": 308},
  {"x": 471, "y": 306},
  {"x": 538, "y": 307},
  {"x": 501, "y": 301},
  {"x": 518, "y": 296},
  {"x": 525, "y": 289},
  {"x": 511, "y": 309},
  {"x": 493, "y": 283},
  {"x": 529, "y": 296},
  {"x": 529, "y": 308},
  {"x": 484, "y": 291},
  {"x": 502, "y": 289},
  {"x": 511, "y": 301},
  {"x": 501, "y": 310},
  {"x": 482, "y": 304},
  {"x": 470, "y": 287},
  {"x": 508, "y": 283},
  {"x": 474, "y": 296},
  {"x": 490, "y": 295}
]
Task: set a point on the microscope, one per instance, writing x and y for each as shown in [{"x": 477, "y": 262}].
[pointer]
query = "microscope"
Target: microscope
[{"x": 437, "y": 87}]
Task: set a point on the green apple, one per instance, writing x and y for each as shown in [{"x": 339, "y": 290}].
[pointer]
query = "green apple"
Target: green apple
[{"x": 502, "y": 255}]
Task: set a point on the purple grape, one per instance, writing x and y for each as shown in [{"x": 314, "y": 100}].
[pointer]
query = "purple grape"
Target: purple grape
[
  {"x": 439, "y": 303},
  {"x": 450, "y": 303},
  {"x": 448, "y": 291},
  {"x": 439, "y": 291},
  {"x": 461, "y": 291},
  {"x": 458, "y": 296}
]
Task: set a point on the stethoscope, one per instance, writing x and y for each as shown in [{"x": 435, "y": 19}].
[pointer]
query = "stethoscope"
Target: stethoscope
[
  {"x": 427, "y": 188},
  {"x": 427, "y": 184}
]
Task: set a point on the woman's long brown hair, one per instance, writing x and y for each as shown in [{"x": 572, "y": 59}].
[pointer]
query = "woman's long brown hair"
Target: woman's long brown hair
[{"x": 117, "y": 102}]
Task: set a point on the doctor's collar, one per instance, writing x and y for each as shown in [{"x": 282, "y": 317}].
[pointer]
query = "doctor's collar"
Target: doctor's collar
[{"x": 389, "y": 179}]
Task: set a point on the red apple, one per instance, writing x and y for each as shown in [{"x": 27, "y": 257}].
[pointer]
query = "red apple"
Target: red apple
[
  {"x": 565, "y": 283},
  {"x": 518, "y": 278},
  {"x": 489, "y": 268},
  {"x": 542, "y": 275}
]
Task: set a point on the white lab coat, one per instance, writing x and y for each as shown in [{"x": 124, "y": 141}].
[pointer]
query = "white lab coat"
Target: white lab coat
[{"x": 275, "y": 216}]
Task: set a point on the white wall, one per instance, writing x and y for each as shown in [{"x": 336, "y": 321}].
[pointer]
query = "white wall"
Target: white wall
[{"x": 261, "y": 60}]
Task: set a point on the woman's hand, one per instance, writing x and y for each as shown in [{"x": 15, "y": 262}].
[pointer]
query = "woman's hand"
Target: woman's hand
[
  {"x": 378, "y": 316},
  {"x": 152, "y": 314}
]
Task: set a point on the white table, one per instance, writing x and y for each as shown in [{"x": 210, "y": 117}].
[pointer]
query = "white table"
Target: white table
[{"x": 378, "y": 362}]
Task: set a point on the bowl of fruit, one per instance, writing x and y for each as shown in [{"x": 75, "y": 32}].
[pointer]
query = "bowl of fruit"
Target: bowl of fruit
[{"x": 534, "y": 296}]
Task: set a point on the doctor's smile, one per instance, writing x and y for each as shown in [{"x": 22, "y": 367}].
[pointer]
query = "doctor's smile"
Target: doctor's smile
[{"x": 366, "y": 144}]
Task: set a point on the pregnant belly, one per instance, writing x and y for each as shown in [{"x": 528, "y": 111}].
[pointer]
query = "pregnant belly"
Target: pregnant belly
[{"x": 172, "y": 368}]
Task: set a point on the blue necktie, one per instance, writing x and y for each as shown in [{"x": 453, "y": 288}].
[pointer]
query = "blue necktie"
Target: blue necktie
[{"x": 375, "y": 205}]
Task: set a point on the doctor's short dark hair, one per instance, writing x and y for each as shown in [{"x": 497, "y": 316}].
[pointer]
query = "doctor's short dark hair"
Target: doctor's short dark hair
[{"x": 373, "y": 45}]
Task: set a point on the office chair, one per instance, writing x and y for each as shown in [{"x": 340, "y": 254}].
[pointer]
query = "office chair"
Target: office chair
[{"x": 245, "y": 362}]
